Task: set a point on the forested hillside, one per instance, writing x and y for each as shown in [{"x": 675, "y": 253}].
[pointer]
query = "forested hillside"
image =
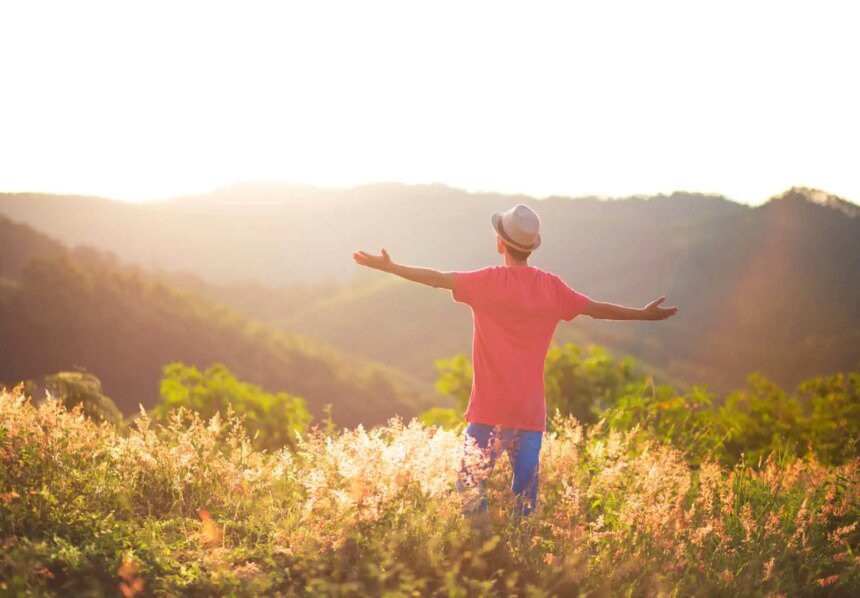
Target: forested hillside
[
  {"x": 769, "y": 288},
  {"x": 750, "y": 282},
  {"x": 83, "y": 308}
]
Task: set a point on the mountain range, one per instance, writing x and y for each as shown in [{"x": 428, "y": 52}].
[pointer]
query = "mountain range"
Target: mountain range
[{"x": 772, "y": 288}]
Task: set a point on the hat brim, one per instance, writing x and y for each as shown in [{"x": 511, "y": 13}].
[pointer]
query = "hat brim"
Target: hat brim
[{"x": 495, "y": 219}]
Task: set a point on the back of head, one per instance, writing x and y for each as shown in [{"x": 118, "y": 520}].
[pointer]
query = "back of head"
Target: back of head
[{"x": 519, "y": 230}]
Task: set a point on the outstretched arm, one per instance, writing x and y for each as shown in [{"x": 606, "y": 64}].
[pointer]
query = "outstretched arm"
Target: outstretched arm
[
  {"x": 609, "y": 311},
  {"x": 428, "y": 276}
]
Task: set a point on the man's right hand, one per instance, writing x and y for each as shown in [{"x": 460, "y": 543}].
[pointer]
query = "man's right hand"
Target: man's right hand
[{"x": 378, "y": 262}]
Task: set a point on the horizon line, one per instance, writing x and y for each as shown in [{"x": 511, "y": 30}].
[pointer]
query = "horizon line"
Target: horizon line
[{"x": 473, "y": 191}]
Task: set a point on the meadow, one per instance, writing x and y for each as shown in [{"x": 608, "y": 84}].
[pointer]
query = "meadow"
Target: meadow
[{"x": 184, "y": 504}]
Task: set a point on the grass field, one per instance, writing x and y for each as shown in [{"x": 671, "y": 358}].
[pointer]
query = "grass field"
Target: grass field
[{"x": 190, "y": 507}]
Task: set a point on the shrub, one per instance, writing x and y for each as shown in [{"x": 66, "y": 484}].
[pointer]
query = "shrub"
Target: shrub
[
  {"x": 821, "y": 417},
  {"x": 273, "y": 419}
]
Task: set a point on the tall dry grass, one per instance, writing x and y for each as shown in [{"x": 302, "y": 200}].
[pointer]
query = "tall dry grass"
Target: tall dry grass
[{"x": 191, "y": 507}]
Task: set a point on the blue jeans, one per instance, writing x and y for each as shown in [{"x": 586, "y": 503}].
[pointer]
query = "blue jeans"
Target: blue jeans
[{"x": 523, "y": 448}]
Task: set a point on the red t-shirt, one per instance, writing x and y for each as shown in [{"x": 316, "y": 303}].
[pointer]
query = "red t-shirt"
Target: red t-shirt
[{"x": 515, "y": 310}]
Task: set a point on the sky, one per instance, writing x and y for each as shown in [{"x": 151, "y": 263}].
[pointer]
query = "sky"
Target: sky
[{"x": 148, "y": 100}]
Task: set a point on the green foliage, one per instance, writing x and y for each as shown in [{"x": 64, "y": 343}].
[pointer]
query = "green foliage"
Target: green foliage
[
  {"x": 328, "y": 426},
  {"x": 683, "y": 420},
  {"x": 580, "y": 382},
  {"x": 584, "y": 382},
  {"x": 759, "y": 419},
  {"x": 447, "y": 419},
  {"x": 822, "y": 416},
  {"x": 455, "y": 379},
  {"x": 273, "y": 420},
  {"x": 831, "y": 405},
  {"x": 73, "y": 388}
]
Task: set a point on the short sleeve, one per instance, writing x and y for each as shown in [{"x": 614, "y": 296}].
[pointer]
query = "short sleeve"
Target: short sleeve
[
  {"x": 470, "y": 286},
  {"x": 571, "y": 303}
]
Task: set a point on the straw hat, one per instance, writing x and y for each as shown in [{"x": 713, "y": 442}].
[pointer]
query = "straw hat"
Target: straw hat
[{"x": 519, "y": 227}]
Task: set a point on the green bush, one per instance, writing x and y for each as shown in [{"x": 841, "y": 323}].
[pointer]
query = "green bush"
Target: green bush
[
  {"x": 272, "y": 419},
  {"x": 821, "y": 417},
  {"x": 448, "y": 419},
  {"x": 585, "y": 382}
]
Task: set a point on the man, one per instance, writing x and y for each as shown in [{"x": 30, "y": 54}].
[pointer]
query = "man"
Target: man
[{"x": 515, "y": 310}]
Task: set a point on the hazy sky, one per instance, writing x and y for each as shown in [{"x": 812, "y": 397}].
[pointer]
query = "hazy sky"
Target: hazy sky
[{"x": 149, "y": 100}]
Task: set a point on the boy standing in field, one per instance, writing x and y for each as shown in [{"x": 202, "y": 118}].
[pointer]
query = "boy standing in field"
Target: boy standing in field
[{"x": 515, "y": 310}]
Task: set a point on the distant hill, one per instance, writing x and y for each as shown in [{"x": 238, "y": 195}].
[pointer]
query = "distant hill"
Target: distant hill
[
  {"x": 772, "y": 288},
  {"x": 84, "y": 308},
  {"x": 19, "y": 243},
  {"x": 778, "y": 289},
  {"x": 287, "y": 234}
]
